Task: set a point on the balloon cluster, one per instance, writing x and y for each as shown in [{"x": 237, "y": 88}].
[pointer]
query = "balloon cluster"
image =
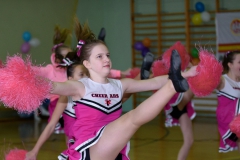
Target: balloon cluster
[
  {"x": 143, "y": 46},
  {"x": 28, "y": 42},
  {"x": 201, "y": 16}
]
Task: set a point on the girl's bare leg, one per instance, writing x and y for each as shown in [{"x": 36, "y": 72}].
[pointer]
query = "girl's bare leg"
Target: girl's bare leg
[
  {"x": 186, "y": 128},
  {"x": 118, "y": 133},
  {"x": 187, "y": 97},
  {"x": 36, "y": 115}
]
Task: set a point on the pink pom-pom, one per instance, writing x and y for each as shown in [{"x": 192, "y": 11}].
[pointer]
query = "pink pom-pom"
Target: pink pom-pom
[
  {"x": 159, "y": 68},
  {"x": 16, "y": 154},
  {"x": 21, "y": 86},
  {"x": 209, "y": 74},
  {"x": 235, "y": 126},
  {"x": 134, "y": 72},
  {"x": 185, "y": 57}
]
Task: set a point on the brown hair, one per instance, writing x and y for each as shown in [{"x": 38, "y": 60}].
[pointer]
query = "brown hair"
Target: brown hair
[
  {"x": 59, "y": 38},
  {"x": 70, "y": 68},
  {"x": 83, "y": 32},
  {"x": 60, "y": 35},
  {"x": 228, "y": 58}
]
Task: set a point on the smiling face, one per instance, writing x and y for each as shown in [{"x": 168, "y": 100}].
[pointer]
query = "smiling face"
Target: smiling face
[
  {"x": 234, "y": 67},
  {"x": 99, "y": 61}
]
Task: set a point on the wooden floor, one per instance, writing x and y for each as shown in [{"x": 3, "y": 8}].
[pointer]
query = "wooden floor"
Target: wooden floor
[{"x": 152, "y": 141}]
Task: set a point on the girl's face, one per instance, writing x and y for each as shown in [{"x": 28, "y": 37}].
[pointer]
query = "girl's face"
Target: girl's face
[
  {"x": 78, "y": 73},
  {"x": 234, "y": 67},
  {"x": 99, "y": 60}
]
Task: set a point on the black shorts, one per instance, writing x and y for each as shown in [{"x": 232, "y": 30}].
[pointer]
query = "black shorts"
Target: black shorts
[
  {"x": 176, "y": 113},
  {"x": 119, "y": 157},
  {"x": 61, "y": 121},
  {"x": 233, "y": 137}
]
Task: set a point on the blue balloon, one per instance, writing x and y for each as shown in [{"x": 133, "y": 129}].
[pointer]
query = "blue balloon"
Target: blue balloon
[
  {"x": 139, "y": 46},
  {"x": 199, "y": 7},
  {"x": 145, "y": 50},
  {"x": 26, "y": 36}
]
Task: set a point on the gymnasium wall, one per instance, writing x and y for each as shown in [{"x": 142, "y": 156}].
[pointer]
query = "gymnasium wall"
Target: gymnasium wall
[
  {"x": 115, "y": 16},
  {"x": 37, "y": 17}
]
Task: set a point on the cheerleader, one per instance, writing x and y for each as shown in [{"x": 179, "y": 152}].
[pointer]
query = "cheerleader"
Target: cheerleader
[
  {"x": 64, "y": 108},
  {"x": 100, "y": 131},
  {"x": 98, "y": 103},
  {"x": 228, "y": 93}
]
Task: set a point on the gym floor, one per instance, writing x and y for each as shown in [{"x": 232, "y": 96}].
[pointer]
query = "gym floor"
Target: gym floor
[{"x": 152, "y": 141}]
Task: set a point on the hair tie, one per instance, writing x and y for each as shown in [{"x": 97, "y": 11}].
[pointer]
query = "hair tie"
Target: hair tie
[
  {"x": 79, "y": 46},
  {"x": 66, "y": 62},
  {"x": 55, "y": 46},
  {"x": 226, "y": 54}
]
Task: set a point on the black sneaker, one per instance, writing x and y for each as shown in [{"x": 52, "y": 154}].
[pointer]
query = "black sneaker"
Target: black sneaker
[
  {"x": 146, "y": 65},
  {"x": 102, "y": 34},
  {"x": 180, "y": 84}
]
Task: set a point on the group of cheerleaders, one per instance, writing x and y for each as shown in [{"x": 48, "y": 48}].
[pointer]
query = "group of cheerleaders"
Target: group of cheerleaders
[{"x": 91, "y": 98}]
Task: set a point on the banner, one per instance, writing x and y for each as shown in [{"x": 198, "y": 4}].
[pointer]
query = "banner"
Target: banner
[{"x": 227, "y": 32}]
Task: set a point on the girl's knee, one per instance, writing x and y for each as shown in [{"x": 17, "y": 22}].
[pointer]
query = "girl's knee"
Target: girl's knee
[{"x": 189, "y": 141}]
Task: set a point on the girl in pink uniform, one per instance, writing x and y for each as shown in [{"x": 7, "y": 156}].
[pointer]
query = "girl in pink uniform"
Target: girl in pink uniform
[
  {"x": 228, "y": 101},
  {"x": 99, "y": 131},
  {"x": 64, "y": 107},
  {"x": 98, "y": 108},
  {"x": 179, "y": 112},
  {"x": 56, "y": 72}
]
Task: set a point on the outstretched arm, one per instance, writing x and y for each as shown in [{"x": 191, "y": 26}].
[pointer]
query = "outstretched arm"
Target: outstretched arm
[
  {"x": 60, "y": 107},
  {"x": 68, "y": 88},
  {"x": 133, "y": 86},
  {"x": 118, "y": 74}
]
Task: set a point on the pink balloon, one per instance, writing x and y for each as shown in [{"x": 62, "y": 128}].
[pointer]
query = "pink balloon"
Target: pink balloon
[{"x": 25, "y": 47}]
